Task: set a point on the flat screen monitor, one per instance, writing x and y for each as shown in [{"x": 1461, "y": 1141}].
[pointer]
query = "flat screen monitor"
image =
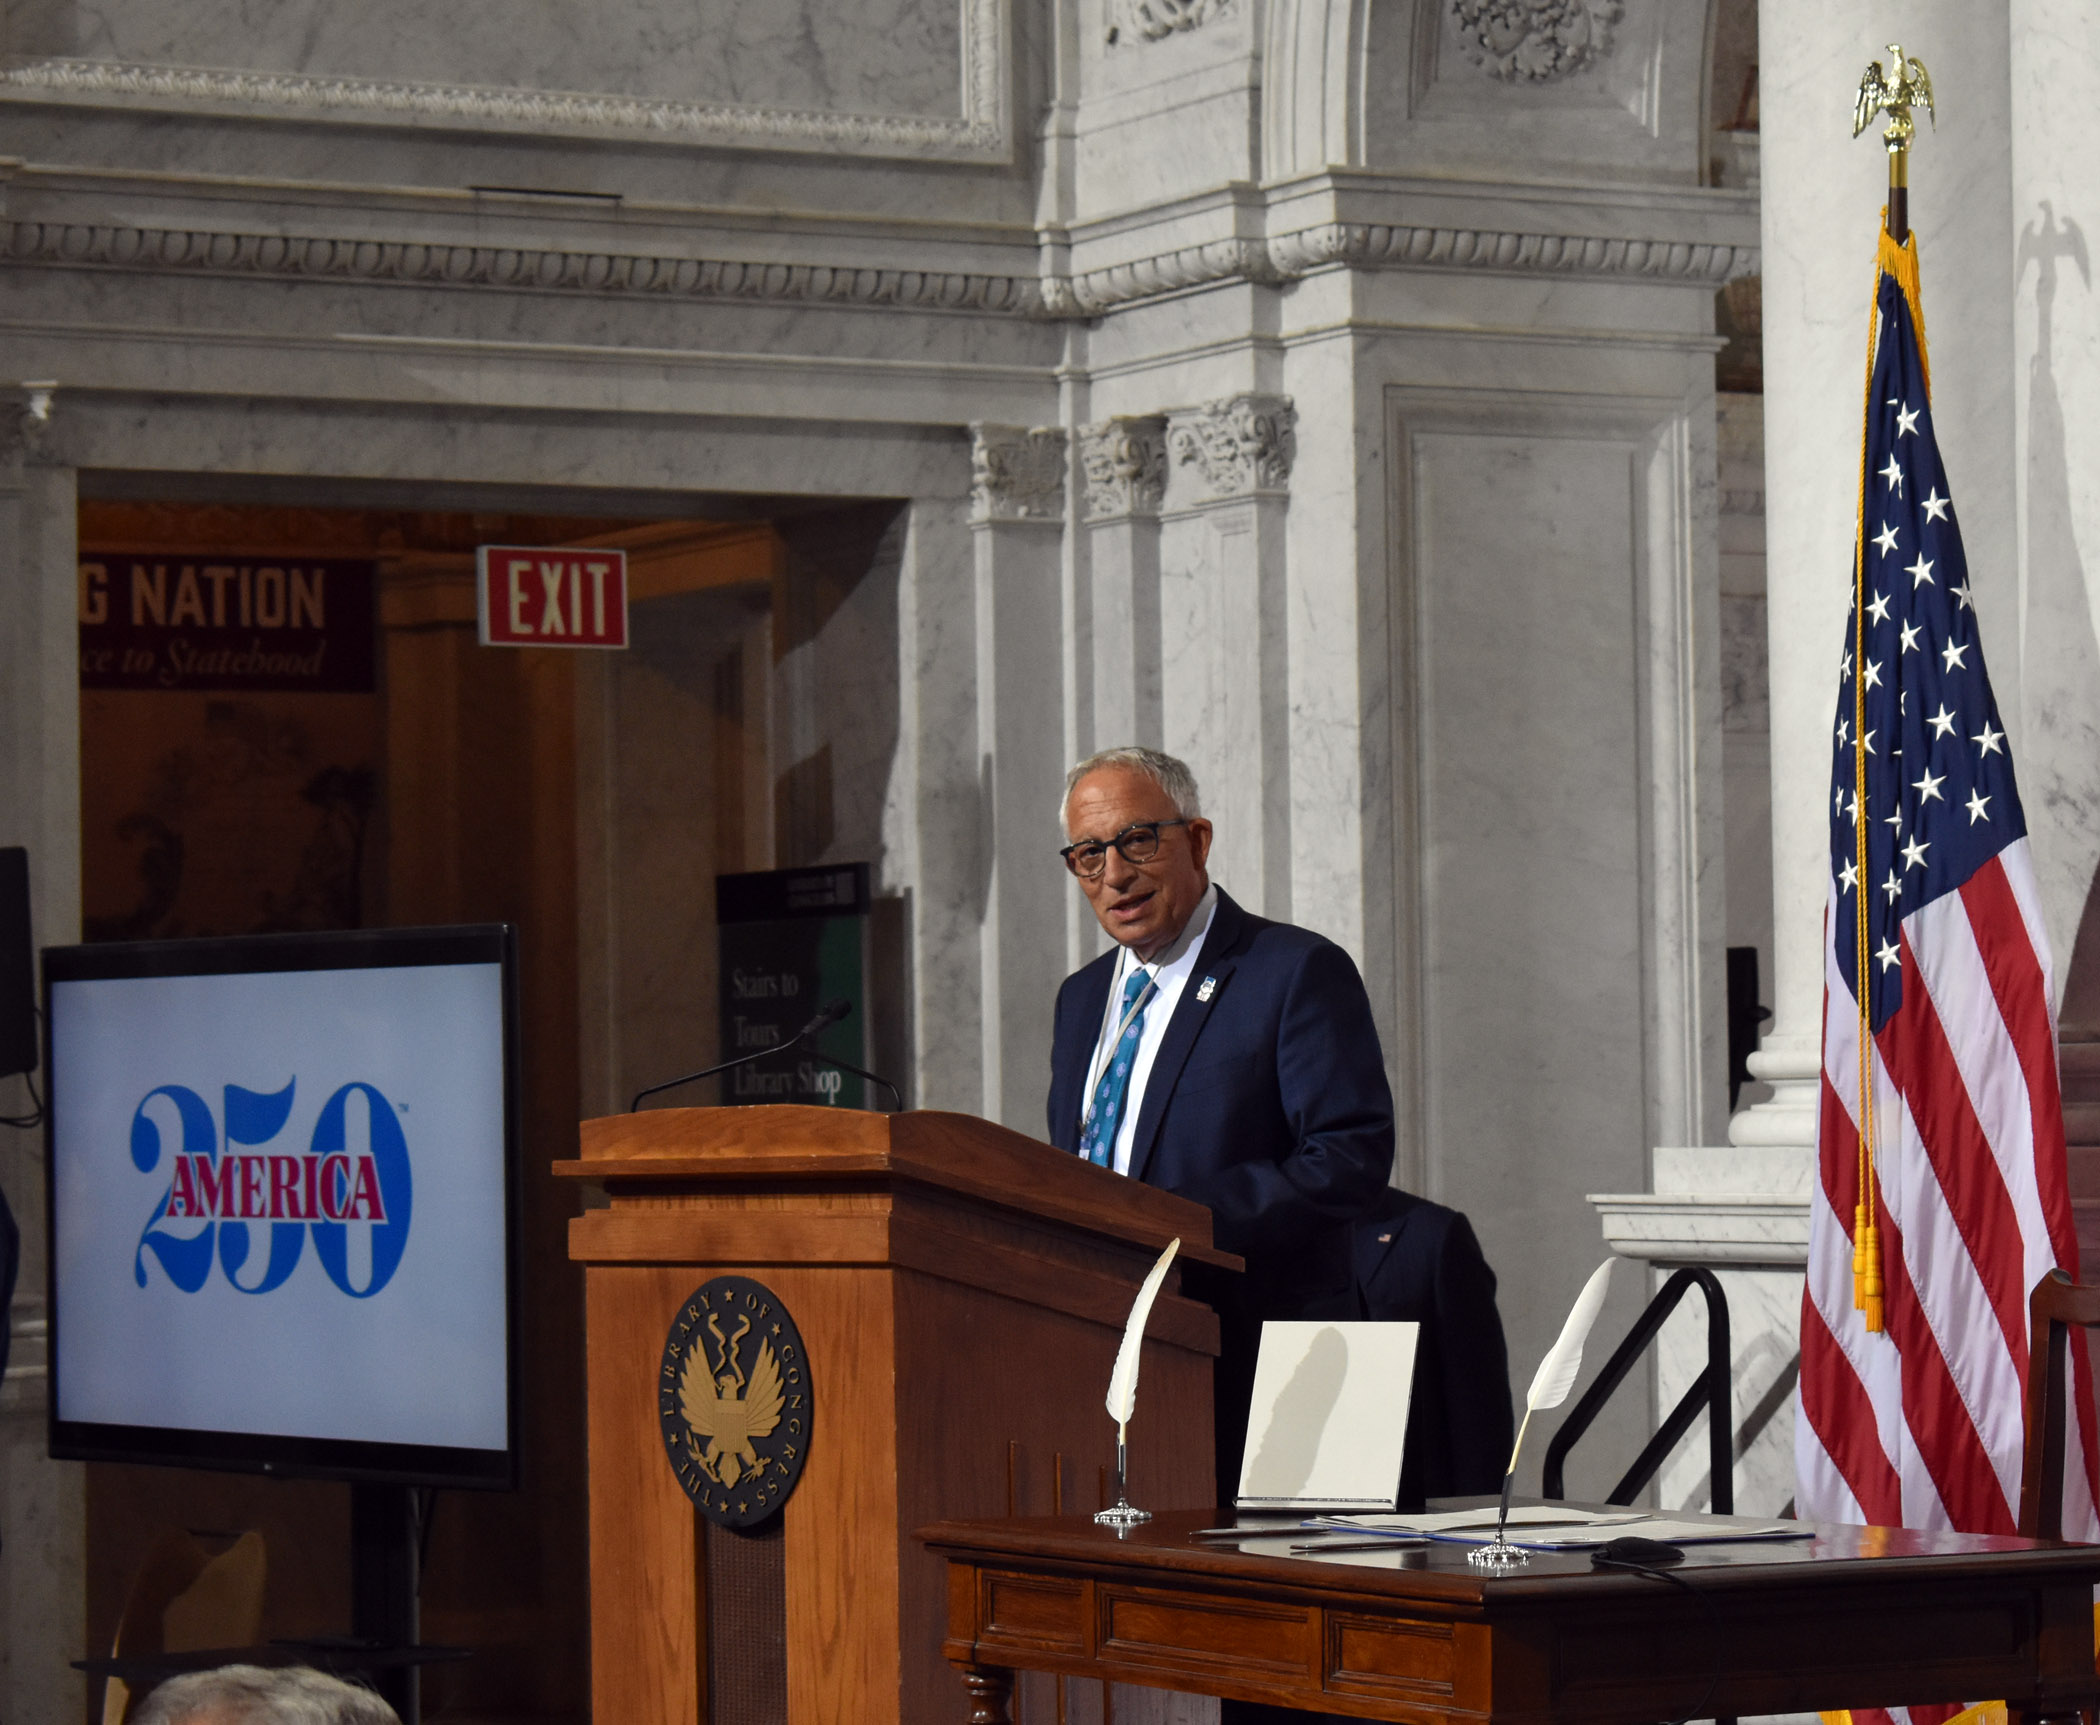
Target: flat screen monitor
[{"x": 283, "y": 1204}]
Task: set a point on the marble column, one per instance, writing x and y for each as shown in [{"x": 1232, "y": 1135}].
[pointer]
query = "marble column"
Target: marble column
[
  {"x": 1821, "y": 203},
  {"x": 42, "y": 1508},
  {"x": 1124, "y": 464},
  {"x": 1224, "y": 665},
  {"x": 1017, "y": 521},
  {"x": 937, "y": 841},
  {"x": 1743, "y": 1209}
]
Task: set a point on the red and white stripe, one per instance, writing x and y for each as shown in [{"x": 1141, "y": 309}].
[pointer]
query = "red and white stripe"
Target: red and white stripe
[{"x": 1920, "y": 1426}]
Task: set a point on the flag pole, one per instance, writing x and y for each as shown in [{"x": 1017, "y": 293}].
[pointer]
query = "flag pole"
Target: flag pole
[{"x": 1894, "y": 93}]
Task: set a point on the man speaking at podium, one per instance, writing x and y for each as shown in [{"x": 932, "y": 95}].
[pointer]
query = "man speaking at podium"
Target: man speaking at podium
[{"x": 1218, "y": 1055}]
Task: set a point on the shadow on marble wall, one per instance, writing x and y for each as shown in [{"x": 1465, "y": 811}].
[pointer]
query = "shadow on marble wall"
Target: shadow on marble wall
[
  {"x": 838, "y": 718},
  {"x": 837, "y": 701},
  {"x": 2059, "y": 656}
]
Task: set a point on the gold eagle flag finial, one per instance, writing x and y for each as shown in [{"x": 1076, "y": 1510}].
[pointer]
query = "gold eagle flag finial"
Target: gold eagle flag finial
[
  {"x": 1894, "y": 93},
  {"x": 1906, "y": 85}
]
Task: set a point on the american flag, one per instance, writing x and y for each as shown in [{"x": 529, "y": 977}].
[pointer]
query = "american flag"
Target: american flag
[{"x": 1920, "y": 1426}]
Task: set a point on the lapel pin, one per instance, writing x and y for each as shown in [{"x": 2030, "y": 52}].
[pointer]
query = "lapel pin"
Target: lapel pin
[{"x": 1207, "y": 988}]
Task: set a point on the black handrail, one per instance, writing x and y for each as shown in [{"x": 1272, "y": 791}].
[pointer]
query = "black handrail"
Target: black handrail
[{"x": 1711, "y": 1389}]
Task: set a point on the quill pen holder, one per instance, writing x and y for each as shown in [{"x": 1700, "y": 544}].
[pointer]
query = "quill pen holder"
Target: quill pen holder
[
  {"x": 1498, "y": 1556},
  {"x": 1122, "y": 1513}
]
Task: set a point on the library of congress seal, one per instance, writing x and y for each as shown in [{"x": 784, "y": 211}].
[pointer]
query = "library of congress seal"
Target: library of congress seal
[{"x": 734, "y": 1400}]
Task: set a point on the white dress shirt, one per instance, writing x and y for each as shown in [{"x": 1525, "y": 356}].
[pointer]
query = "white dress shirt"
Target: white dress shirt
[{"x": 1170, "y": 970}]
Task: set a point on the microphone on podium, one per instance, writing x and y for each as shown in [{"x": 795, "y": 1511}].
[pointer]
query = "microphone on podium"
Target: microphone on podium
[
  {"x": 829, "y": 1016},
  {"x": 826, "y": 1017}
]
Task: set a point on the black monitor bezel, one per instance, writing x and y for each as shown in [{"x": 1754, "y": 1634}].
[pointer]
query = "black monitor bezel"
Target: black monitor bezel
[{"x": 350, "y": 1459}]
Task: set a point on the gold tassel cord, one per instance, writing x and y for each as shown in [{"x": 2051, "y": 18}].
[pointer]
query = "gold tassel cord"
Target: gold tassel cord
[
  {"x": 1900, "y": 261},
  {"x": 1905, "y": 85},
  {"x": 1866, "y": 1238}
]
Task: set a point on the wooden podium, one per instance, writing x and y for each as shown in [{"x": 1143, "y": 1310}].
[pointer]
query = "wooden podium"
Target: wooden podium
[{"x": 960, "y": 1292}]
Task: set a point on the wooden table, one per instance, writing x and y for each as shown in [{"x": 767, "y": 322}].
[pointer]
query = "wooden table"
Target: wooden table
[{"x": 1853, "y": 1617}]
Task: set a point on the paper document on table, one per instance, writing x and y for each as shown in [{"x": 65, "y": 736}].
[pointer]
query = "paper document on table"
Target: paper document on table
[
  {"x": 1561, "y": 1527},
  {"x": 1328, "y": 1418},
  {"x": 1460, "y": 1520}
]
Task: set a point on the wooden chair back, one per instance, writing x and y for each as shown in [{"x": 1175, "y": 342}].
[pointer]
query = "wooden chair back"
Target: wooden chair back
[
  {"x": 185, "y": 1600},
  {"x": 2056, "y": 1305}
]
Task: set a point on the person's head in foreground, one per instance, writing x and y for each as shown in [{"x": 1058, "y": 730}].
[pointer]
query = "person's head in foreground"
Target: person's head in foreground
[{"x": 252, "y": 1695}]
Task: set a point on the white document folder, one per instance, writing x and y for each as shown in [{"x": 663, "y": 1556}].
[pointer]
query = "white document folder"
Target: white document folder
[{"x": 1327, "y": 1427}]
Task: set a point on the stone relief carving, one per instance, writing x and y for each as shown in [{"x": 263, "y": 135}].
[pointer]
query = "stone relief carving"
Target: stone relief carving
[
  {"x": 1190, "y": 266},
  {"x": 518, "y": 269},
  {"x": 1017, "y": 474},
  {"x": 1534, "y": 41},
  {"x": 1125, "y": 463},
  {"x": 1367, "y": 245},
  {"x": 1088, "y": 294},
  {"x": 1376, "y": 244},
  {"x": 1153, "y": 19},
  {"x": 981, "y": 132},
  {"x": 25, "y": 427},
  {"x": 1236, "y": 447}
]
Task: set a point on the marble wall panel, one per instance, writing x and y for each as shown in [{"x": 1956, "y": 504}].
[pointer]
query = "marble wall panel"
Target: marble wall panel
[
  {"x": 955, "y": 345},
  {"x": 1764, "y": 1318},
  {"x": 1222, "y": 686},
  {"x": 1020, "y": 738},
  {"x": 938, "y": 817},
  {"x": 893, "y": 56},
  {"x": 445, "y": 371},
  {"x": 2057, "y": 367},
  {"x": 653, "y": 469},
  {"x": 1520, "y": 571},
  {"x": 1337, "y": 664},
  {"x": 1168, "y": 92},
  {"x": 835, "y": 646},
  {"x": 1612, "y": 87}
]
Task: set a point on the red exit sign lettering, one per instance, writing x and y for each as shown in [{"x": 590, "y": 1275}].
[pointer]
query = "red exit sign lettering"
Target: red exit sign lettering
[{"x": 536, "y": 597}]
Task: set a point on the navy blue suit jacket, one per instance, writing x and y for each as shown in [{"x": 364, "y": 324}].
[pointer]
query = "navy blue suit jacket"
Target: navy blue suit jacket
[
  {"x": 1267, "y": 1101},
  {"x": 1418, "y": 1262}
]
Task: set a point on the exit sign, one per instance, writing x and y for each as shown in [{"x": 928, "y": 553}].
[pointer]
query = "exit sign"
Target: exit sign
[{"x": 536, "y": 597}]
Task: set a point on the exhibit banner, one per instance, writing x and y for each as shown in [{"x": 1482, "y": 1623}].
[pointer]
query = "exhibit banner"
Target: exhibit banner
[{"x": 237, "y": 623}]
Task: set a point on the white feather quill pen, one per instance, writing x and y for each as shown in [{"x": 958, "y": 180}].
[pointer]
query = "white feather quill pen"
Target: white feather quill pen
[
  {"x": 1122, "y": 1382},
  {"x": 1557, "y": 1372},
  {"x": 1122, "y": 1392}
]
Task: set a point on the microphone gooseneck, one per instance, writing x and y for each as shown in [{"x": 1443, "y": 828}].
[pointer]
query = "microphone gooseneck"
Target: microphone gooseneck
[{"x": 827, "y": 1015}]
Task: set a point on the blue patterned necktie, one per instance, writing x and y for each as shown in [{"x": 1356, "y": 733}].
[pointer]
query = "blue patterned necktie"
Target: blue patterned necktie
[{"x": 1097, "y": 1143}]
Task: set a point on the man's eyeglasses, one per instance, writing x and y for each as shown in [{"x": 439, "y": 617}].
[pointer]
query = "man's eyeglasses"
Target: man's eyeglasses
[{"x": 1139, "y": 843}]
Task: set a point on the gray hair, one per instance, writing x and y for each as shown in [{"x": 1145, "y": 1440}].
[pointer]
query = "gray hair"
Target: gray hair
[
  {"x": 1171, "y": 775},
  {"x": 252, "y": 1695}
]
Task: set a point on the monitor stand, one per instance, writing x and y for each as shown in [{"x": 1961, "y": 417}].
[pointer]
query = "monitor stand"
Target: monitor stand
[{"x": 385, "y": 1563}]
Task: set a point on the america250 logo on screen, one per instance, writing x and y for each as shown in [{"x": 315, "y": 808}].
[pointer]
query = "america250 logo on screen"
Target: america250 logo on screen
[
  {"x": 281, "y": 1203},
  {"x": 229, "y": 1171}
]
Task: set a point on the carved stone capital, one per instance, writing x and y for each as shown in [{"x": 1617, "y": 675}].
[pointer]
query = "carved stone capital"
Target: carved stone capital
[
  {"x": 1017, "y": 474},
  {"x": 1239, "y": 447},
  {"x": 1125, "y": 463},
  {"x": 1152, "y": 20},
  {"x": 1534, "y": 41},
  {"x": 25, "y": 421}
]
